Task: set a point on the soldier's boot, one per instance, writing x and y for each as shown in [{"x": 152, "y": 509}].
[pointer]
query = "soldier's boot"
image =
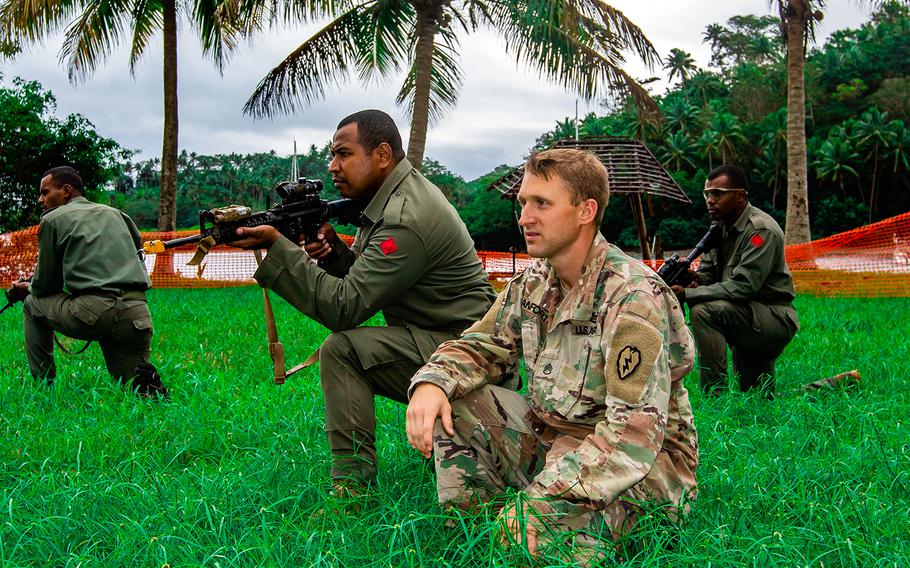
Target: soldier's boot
[
  {"x": 756, "y": 371},
  {"x": 147, "y": 383}
]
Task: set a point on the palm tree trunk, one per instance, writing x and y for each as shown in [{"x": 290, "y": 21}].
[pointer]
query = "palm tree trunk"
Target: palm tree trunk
[
  {"x": 797, "y": 224},
  {"x": 873, "y": 194},
  {"x": 423, "y": 65},
  {"x": 167, "y": 200},
  {"x": 167, "y": 205}
]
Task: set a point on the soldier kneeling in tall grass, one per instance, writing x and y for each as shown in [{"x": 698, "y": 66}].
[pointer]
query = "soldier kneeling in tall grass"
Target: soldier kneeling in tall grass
[{"x": 605, "y": 428}]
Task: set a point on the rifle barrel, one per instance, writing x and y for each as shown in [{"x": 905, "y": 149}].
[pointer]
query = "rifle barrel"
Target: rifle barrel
[{"x": 155, "y": 247}]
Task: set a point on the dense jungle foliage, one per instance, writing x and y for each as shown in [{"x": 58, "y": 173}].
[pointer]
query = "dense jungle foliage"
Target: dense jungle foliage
[{"x": 858, "y": 109}]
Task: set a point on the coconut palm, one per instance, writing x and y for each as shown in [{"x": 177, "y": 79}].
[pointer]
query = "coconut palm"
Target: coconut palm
[
  {"x": 679, "y": 63},
  {"x": 679, "y": 115},
  {"x": 900, "y": 145},
  {"x": 676, "y": 151},
  {"x": 594, "y": 126},
  {"x": 872, "y": 134},
  {"x": 576, "y": 44},
  {"x": 93, "y": 30},
  {"x": 833, "y": 161},
  {"x": 798, "y": 19},
  {"x": 774, "y": 142},
  {"x": 728, "y": 135}
]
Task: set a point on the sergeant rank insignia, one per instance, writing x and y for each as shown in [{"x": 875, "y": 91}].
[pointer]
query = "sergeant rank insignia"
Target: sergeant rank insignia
[{"x": 627, "y": 361}]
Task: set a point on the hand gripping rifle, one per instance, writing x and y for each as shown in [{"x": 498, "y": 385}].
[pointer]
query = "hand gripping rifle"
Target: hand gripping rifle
[
  {"x": 675, "y": 270},
  {"x": 301, "y": 212}
]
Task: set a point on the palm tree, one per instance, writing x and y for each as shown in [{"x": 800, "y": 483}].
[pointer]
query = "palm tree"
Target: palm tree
[
  {"x": 679, "y": 115},
  {"x": 679, "y": 63},
  {"x": 798, "y": 19},
  {"x": 774, "y": 142},
  {"x": 900, "y": 145},
  {"x": 575, "y": 43},
  {"x": 872, "y": 133},
  {"x": 833, "y": 161},
  {"x": 728, "y": 135},
  {"x": 707, "y": 142},
  {"x": 94, "y": 28},
  {"x": 594, "y": 126},
  {"x": 676, "y": 150}
]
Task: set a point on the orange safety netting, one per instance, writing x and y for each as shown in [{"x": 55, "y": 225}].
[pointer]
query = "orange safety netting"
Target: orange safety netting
[{"x": 871, "y": 261}]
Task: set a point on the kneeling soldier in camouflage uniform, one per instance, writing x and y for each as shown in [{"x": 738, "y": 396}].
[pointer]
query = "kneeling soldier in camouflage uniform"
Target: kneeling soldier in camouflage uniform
[
  {"x": 606, "y": 423},
  {"x": 89, "y": 284}
]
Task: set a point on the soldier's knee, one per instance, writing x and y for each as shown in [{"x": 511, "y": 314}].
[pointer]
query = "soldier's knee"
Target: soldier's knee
[
  {"x": 336, "y": 347},
  {"x": 709, "y": 312},
  {"x": 337, "y": 362},
  {"x": 28, "y": 306}
]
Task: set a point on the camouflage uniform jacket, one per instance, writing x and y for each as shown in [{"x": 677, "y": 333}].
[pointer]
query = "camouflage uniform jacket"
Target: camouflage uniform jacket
[{"x": 606, "y": 362}]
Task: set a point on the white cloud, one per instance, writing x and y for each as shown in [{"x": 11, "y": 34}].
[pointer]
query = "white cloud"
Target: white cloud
[{"x": 502, "y": 109}]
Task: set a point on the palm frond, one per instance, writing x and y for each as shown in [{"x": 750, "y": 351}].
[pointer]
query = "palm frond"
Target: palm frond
[
  {"x": 304, "y": 75},
  {"x": 386, "y": 45},
  {"x": 623, "y": 29},
  {"x": 220, "y": 28},
  {"x": 147, "y": 20},
  {"x": 446, "y": 79},
  {"x": 584, "y": 56},
  {"x": 92, "y": 36},
  {"x": 30, "y": 21}
]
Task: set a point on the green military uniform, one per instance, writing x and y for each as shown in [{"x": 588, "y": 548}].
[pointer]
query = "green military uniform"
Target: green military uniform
[
  {"x": 745, "y": 300},
  {"x": 606, "y": 421},
  {"x": 413, "y": 259},
  {"x": 89, "y": 284}
]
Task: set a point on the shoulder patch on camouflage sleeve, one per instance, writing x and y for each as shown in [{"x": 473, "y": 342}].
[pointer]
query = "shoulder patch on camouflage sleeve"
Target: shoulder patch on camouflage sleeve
[{"x": 634, "y": 349}]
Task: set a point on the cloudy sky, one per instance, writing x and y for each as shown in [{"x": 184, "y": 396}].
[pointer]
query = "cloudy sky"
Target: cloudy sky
[{"x": 502, "y": 109}]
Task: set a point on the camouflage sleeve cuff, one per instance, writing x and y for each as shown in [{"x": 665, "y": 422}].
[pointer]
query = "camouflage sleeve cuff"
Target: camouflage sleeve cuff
[
  {"x": 547, "y": 507},
  {"x": 441, "y": 380},
  {"x": 276, "y": 261}
]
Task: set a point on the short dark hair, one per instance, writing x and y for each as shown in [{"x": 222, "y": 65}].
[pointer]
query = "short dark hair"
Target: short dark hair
[
  {"x": 65, "y": 175},
  {"x": 735, "y": 174},
  {"x": 373, "y": 128}
]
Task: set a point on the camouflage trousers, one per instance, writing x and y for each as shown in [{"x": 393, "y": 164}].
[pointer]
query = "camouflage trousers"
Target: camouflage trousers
[{"x": 500, "y": 443}]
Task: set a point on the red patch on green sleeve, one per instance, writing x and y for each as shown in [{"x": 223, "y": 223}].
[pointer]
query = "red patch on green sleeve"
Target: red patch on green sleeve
[
  {"x": 757, "y": 241},
  {"x": 388, "y": 246}
]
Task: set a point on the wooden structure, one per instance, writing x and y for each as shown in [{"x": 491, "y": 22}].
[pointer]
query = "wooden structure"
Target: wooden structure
[{"x": 633, "y": 170}]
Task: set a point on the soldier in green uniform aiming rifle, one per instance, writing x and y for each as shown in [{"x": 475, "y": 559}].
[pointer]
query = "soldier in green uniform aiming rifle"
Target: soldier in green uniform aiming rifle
[{"x": 412, "y": 259}]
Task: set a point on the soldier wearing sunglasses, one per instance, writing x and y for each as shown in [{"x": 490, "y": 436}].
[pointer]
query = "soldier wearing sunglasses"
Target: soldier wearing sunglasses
[{"x": 742, "y": 295}]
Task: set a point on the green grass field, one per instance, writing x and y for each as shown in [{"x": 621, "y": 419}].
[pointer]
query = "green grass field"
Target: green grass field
[{"x": 234, "y": 471}]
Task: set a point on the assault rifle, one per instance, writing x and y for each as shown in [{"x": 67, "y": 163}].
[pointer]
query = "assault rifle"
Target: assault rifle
[
  {"x": 301, "y": 212},
  {"x": 676, "y": 271}
]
